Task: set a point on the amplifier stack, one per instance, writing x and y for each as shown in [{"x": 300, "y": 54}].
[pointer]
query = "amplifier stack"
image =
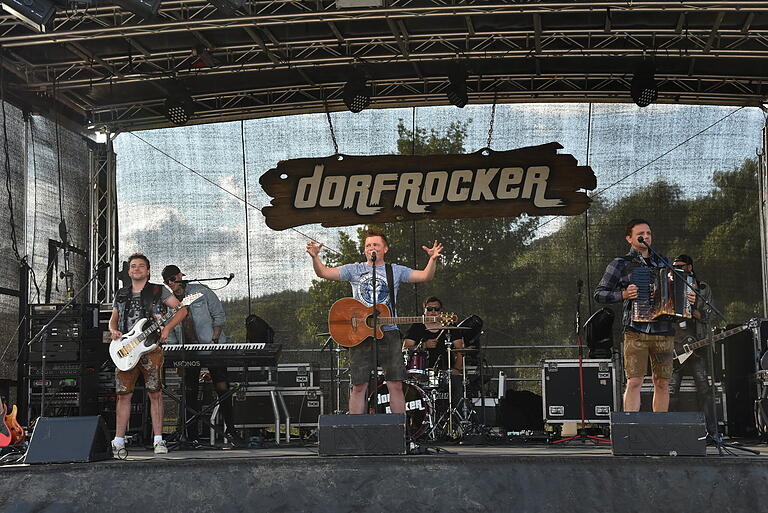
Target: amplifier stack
[{"x": 72, "y": 377}]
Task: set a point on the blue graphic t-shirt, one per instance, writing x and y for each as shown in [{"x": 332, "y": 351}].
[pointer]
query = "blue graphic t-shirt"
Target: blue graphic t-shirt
[{"x": 361, "y": 279}]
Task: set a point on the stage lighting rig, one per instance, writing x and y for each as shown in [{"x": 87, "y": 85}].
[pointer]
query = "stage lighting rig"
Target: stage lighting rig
[
  {"x": 457, "y": 87},
  {"x": 145, "y": 8},
  {"x": 179, "y": 109},
  {"x": 357, "y": 93},
  {"x": 227, "y": 7},
  {"x": 33, "y": 13},
  {"x": 644, "y": 90}
]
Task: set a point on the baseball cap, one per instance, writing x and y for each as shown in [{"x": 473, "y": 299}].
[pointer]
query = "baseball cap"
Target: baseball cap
[{"x": 170, "y": 271}]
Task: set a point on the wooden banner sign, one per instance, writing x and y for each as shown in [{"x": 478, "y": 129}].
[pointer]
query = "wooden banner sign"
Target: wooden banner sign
[{"x": 342, "y": 190}]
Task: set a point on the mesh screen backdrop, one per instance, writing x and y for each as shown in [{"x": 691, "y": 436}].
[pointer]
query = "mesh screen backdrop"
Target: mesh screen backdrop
[
  {"x": 686, "y": 169},
  {"x": 34, "y": 157},
  {"x": 55, "y": 152},
  {"x": 13, "y": 176}
]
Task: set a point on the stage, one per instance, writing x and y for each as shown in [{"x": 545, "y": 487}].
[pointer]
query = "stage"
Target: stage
[{"x": 513, "y": 477}]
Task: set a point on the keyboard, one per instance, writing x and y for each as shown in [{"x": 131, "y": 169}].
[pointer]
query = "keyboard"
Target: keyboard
[{"x": 231, "y": 355}]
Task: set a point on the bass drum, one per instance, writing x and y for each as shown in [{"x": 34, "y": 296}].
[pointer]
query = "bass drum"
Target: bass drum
[{"x": 418, "y": 408}]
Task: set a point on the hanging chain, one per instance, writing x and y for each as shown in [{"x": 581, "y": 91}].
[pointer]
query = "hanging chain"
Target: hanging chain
[
  {"x": 493, "y": 118},
  {"x": 330, "y": 126}
]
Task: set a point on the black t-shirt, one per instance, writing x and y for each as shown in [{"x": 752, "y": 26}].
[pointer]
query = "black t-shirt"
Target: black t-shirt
[{"x": 437, "y": 357}]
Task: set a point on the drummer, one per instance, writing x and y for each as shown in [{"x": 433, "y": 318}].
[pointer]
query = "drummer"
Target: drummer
[{"x": 432, "y": 339}]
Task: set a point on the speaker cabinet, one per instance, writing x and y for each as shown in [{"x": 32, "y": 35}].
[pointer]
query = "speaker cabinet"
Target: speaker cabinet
[
  {"x": 658, "y": 434},
  {"x": 344, "y": 435},
  {"x": 69, "y": 440}
]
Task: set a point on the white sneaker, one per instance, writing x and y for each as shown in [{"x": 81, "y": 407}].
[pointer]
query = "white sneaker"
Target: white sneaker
[
  {"x": 119, "y": 451},
  {"x": 160, "y": 447}
]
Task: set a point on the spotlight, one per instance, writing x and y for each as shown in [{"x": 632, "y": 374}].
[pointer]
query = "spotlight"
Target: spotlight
[
  {"x": 457, "y": 89},
  {"x": 144, "y": 8},
  {"x": 179, "y": 109},
  {"x": 644, "y": 90},
  {"x": 357, "y": 93},
  {"x": 227, "y": 7},
  {"x": 35, "y": 13}
]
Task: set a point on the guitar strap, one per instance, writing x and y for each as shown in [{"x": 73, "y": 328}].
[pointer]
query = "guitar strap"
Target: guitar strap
[
  {"x": 150, "y": 294},
  {"x": 390, "y": 284}
]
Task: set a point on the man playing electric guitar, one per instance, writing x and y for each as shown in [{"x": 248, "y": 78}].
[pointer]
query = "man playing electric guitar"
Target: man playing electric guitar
[
  {"x": 696, "y": 365},
  {"x": 141, "y": 299},
  {"x": 390, "y": 348}
]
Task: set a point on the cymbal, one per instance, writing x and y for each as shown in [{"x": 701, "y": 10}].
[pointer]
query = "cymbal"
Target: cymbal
[
  {"x": 465, "y": 350},
  {"x": 322, "y": 334},
  {"x": 454, "y": 328}
]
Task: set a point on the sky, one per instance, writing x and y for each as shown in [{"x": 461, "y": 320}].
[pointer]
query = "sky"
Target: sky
[{"x": 181, "y": 190}]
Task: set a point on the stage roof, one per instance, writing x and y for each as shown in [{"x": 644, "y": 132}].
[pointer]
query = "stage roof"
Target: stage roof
[{"x": 104, "y": 67}]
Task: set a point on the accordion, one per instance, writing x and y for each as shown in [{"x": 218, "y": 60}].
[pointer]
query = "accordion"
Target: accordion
[{"x": 662, "y": 295}]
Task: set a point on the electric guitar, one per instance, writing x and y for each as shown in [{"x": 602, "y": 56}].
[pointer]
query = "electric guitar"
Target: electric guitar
[
  {"x": 350, "y": 321},
  {"x": 6, "y": 437},
  {"x": 17, "y": 432},
  {"x": 127, "y": 350},
  {"x": 686, "y": 350}
]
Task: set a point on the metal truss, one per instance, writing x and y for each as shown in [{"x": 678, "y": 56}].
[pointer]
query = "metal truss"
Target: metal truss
[
  {"x": 284, "y": 57},
  {"x": 103, "y": 224}
]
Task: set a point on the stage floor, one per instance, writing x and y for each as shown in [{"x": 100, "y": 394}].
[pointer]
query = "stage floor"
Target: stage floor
[
  {"x": 521, "y": 477},
  {"x": 571, "y": 449}
]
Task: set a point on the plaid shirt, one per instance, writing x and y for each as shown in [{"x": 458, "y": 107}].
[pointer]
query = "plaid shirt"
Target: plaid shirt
[{"x": 617, "y": 277}]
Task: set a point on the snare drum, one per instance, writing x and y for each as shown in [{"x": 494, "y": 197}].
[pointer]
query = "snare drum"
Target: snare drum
[
  {"x": 417, "y": 408},
  {"x": 437, "y": 379},
  {"x": 416, "y": 364}
]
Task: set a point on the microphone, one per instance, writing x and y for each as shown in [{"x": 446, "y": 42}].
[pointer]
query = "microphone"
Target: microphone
[
  {"x": 373, "y": 257},
  {"x": 103, "y": 265},
  {"x": 641, "y": 240},
  {"x": 231, "y": 275}
]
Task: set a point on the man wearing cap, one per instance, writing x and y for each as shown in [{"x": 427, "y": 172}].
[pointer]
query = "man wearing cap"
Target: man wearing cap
[
  {"x": 691, "y": 330},
  {"x": 203, "y": 325}
]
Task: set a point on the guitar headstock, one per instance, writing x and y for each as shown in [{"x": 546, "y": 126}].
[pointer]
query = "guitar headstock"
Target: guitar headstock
[
  {"x": 448, "y": 318},
  {"x": 188, "y": 300}
]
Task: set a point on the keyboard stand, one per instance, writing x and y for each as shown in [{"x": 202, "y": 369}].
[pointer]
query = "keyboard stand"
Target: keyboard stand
[{"x": 179, "y": 437}]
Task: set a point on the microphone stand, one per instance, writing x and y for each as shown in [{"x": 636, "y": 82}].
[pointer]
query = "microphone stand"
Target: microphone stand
[
  {"x": 373, "y": 394},
  {"x": 227, "y": 278},
  {"x": 335, "y": 381},
  {"x": 42, "y": 335},
  {"x": 717, "y": 439},
  {"x": 582, "y": 435}
]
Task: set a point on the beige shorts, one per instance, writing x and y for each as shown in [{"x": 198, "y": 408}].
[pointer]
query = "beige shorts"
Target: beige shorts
[{"x": 638, "y": 347}]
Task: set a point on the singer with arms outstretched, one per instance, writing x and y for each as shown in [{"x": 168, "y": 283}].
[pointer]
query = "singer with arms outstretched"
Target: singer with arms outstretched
[
  {"x": 641, "y": 339},
  {"x": 390, "y": 348}
]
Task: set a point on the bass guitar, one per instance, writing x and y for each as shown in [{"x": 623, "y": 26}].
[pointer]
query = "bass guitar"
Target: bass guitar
[
  {"x": 685, "y": 351},
  {"x": 127, "y": 350},
  {"x": 17, "y": 432},
  {"x": 350, "y": 321}
]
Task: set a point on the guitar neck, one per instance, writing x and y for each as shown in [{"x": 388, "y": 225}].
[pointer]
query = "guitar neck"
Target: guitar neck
[
  {"x": 409, "y": 320},
  {"x": 705, "y": 341},
  {"x": 161, "y": 322}
]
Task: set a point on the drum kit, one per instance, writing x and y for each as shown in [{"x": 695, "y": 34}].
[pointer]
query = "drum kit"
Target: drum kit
[{"x": 431, "y": 414}]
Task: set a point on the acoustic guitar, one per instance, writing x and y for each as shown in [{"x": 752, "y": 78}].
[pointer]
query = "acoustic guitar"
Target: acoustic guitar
[{"x": 350, "y": 321}]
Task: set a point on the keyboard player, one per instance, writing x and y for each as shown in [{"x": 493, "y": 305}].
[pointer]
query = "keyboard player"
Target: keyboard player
[{"x": 204, "y": 325}]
